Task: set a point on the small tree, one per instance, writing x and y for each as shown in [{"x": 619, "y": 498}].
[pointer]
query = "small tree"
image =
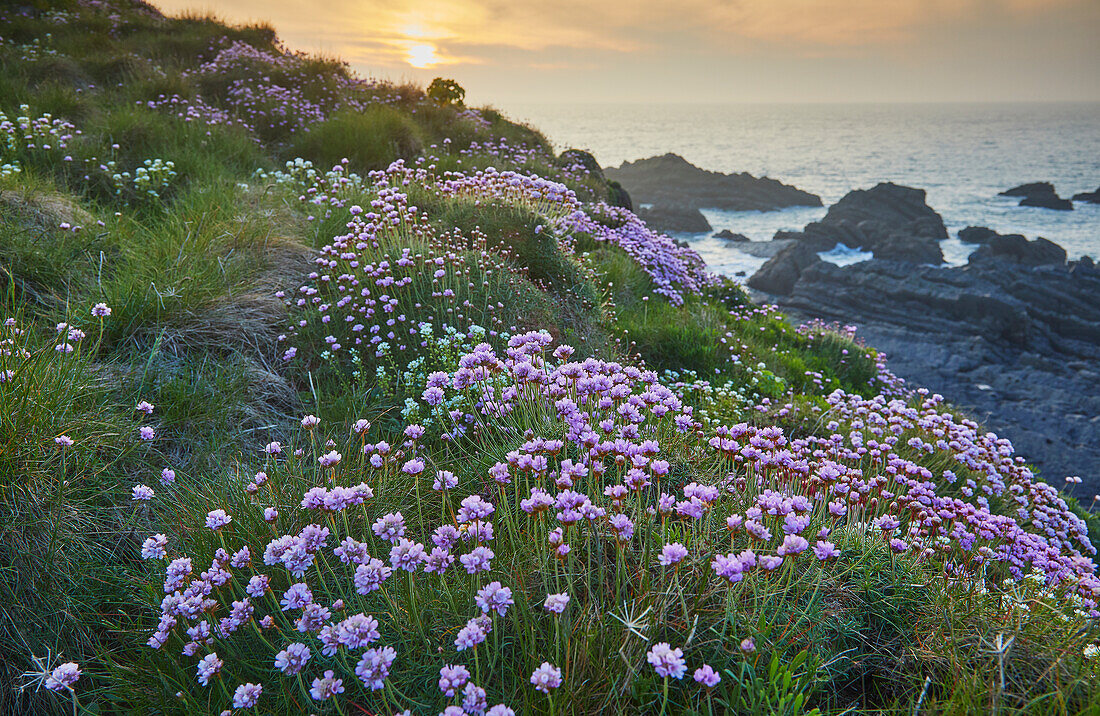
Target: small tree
[{"x": 446, "y": 91}]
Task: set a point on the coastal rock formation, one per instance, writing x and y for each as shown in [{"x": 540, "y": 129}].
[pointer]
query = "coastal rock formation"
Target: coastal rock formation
[
  {"x": 891, "y": 221},
  {"x": 674, "y": 217},
  {"x": 1016, "y": 248},
  {"x": 670, "y": 180},
  {"x": 976, "y": 234},
  {"x": 1089, "y": 197},
  {"x": 1040, "y": 194},
  {"x": 1013, "y": 336},
  {"x": 730, "y": 236}
]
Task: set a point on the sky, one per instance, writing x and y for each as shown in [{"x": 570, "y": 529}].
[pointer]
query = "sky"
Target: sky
[{"x": 716, "y": 51}]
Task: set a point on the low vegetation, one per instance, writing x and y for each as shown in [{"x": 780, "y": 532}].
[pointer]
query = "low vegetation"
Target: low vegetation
[{"x": 335, "y": 396}]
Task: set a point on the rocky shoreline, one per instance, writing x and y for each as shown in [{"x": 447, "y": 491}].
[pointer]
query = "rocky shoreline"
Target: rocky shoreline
[{"x": 1013, "y": 336}]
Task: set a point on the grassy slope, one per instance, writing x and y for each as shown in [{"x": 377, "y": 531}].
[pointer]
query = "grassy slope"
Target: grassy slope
[{"x": 191, "y": 276}]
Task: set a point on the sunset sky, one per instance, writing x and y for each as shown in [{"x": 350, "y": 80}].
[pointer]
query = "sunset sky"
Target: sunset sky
[{"x": 507, "y": 51}]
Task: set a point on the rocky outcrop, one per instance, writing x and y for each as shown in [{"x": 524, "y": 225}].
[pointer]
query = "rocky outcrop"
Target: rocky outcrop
[
  {"x": 728, "y": 235},
  {"x": 670, "y": 180},
  {"x": 1040, "y": 194},
  {"x": 674, "y": 217},
  {"x": 1089, "y": 197},
  {"x": 891, "y": 221},
  {"x": 976, "y": 235},
  {"x": 1013, "y": 336},
  {"x": 1017, "y": 249}
]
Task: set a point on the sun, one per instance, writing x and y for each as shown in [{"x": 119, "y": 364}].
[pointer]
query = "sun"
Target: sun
[{"x": 422, "y": 55}]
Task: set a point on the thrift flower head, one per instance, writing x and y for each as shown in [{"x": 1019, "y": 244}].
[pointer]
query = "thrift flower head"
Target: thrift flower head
[
  {"x": 145, "y": 407},
  {"x": 247, "y": 695},
  {"x": 101, "y": 310},
  {"x": 556, "y": 603},
  {"x": 63, "y": 441},
  {"x": 146, "y": 432},
  {"x": 141, "y": 493},
  {"x": 707, "y": 676},
  {"x": 672, "y": 553},
  {"x": 63, "y": 677},
  {"x": 291, "y": 659},
  {"x": 216, "y": 519},
  {"x": 546, "y": 677},
  {"x": 153, "y": 547},
  {"x": 452, "y": 678},
  {"x": 748, "y": 645},
  {"x": 326, "y": 687},
  {"x": 667, "y": 661},
  {"x": 493, "y": 596},
  {"x": 208, "y": 667}
]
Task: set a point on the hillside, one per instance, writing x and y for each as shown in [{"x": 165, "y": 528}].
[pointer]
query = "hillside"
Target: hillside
[{"x": 328, "y": 395}]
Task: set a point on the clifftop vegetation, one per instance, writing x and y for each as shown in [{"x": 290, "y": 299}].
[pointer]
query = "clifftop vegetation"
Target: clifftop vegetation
[{"x": 330, "y": 395}]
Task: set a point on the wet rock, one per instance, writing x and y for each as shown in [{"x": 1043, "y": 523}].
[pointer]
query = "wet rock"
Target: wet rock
[
  {"x": 976, "y": 235},
  {"x": 670, "y": 180},
  {"x": 1016, "y": 248},
  {"x": 1089, "y": 197},
  {"x": 674, "y": 218},
  {"x": 1040, "y": 194},
  {"x": 730, "y": 236}
]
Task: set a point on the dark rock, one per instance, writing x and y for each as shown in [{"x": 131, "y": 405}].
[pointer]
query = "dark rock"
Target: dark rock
[
  {"x": 672, "y": 180},
  {"x": 1089, "y": 197},
  {"x": 1037, "y": 187},
  {"x": 1040, "y": 194},
  {"x": 730, "y": 236},
  {"x": 781, "y": 272},
  {"x": 1044, "y": 201},
  {"x": 1017, "y": 249},
  {"x": 739, "y": 273},
  {"x": 889, "y": 206},
  {"x": 675, "y": 218},
  {"x": 892, "y": 221},
  {"x": 976, "y": 235},
  {"x": 617, "y": 196},
  {"x": 911, "y": 249}
]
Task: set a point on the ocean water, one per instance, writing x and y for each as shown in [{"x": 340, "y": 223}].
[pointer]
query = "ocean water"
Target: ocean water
[{"x": 961, "y": 154}]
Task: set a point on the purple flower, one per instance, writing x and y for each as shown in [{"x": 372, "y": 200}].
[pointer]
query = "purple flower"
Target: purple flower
[
  {"x": 291, "y": 659},
  {"x": 101, "y": 310},
  {"x": 370, "y": 576},
  {"x": 667, "y": 661},
  {"x": 63, "y": 441},
  {"x": 247, "y": 695},
  {"x": 493, "y": 596},
  {"x": 474, "y": 699},
  {"x": 452, "y": 678},
  {"x": 146, "y": 432},
  {"x": 297, "y": 596},
  {"x": 390, "y": 527},
  {"x": 146, "y": 407},
  {"x": 310, "y": 421},
  {"x": 826, "y": 550},
  {"x": 207, "y": 667},
  {"x": 556, "y": 603},
  {"x": 326, "y": 687},
  {"x": 141, "y": 493},
  {"x": 406, "y": 555},
  {"x": 672, "y": 553},
  {"x": 546, "y": 677},
  {"x": 330, "y": 459},
  {"x": 500, "y": 710},
  {"x": 748, "y": 645},
  {"x": 707, "y": 676},
  {"x": 216, "y": 519},
  {"x": 472, "y": 634},
  {"x": 63, "y": 677},
  {"x": 793, "y": 544},
  {"x": 413, "y": 467},
  {"x": 153, "y": 547},
  {"x": 167, "y": 476},
  {"x": 374, "y": 667},
  {"x": 478, "y": 560}
]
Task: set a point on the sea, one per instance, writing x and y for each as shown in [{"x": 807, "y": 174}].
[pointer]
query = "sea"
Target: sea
[{"x": 961, "y": 154}]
